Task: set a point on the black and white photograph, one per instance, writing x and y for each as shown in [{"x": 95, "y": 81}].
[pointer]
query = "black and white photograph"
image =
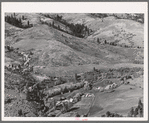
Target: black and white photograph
[{"x": 77, "y": 64}]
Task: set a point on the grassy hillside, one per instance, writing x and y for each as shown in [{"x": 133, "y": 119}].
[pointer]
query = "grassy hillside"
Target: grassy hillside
[
  {"x": 54, "y": 48},
  {"x": 33, "y": 18},
  {"x": 10, "y": 32},
  {"x": 122, "y": 30}
]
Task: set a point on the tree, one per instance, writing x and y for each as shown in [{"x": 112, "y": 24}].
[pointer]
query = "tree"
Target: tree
[
  {"x": 94, "y": 69},
  {"x": 58, "y": 18},
  {"x": 98, "y": 40},
  {"x": 88, "y": 32},
  {"x": 28, "y": 23},
  {"x": 136, "y": 112},
  {"x": 85, "y": 28},
  {"x": 53, "y": 24},
  {"x": 20, "y": 112},
  {"x": 77, "y": 115},
  {"x": 108, "y": 114},
  {"x": 76, "y": 77},
  {"x": 58, "y": 27},
  {"x": 14, "y": 21},
  {"x": 140, "y": 104},
  {"x": 23, "y": 17},
  {"x": 112, "y": 115},
  {"x": 131, "y": 112},
  {"x": 141, "y": 112},
  {"x": 105, "y": 41},
  {"x": 103, "y": 115}
]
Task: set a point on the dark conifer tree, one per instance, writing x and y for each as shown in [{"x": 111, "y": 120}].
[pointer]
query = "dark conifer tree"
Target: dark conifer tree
[
  {"x": 131, "y": 112},
  {"x": 53, "y": 24},
  {"x": 108, "y": 114},
  {"x": 23, "y": 18},
  {"x": 28, "y": 23},
  {"x": 58, "y": 27},
  {"x": 105, "y": 42},
  {"x": 98, "y": 40},
  {"x": 135, "y": 112}
]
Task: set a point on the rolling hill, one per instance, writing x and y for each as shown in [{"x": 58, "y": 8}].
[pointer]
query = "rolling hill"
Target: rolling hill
[
  {"x": 54, "y": 48},
  {"x": 122, "y": 31}
]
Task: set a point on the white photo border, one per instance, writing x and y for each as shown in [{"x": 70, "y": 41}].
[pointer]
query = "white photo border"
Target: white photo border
[{"x": 76, "y": 7}]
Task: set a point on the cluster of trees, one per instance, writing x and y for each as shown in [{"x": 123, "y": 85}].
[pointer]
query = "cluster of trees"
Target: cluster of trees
[
  {"x": 103, "y": 42},
  {"x": 115, "y": 44},
  {"x": 109, "y": 114},
  {"x": 136, "y": 112},
  {"x": 112, "y": 43},
  {"x": 56, "y": 27},
  {"x": 79, "y": 30},
  {"x": 135, "y": 17},
  {"x": 126, "y": 46},
  {"x": 46, "y": 15},
  {"x": 58, "y": 18},
  {"x": 93, "y": 75},
  {"x": 138, "y": 62},
  {"x": 99, "y": 15},
  {"x": 12, "y": 19}
]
